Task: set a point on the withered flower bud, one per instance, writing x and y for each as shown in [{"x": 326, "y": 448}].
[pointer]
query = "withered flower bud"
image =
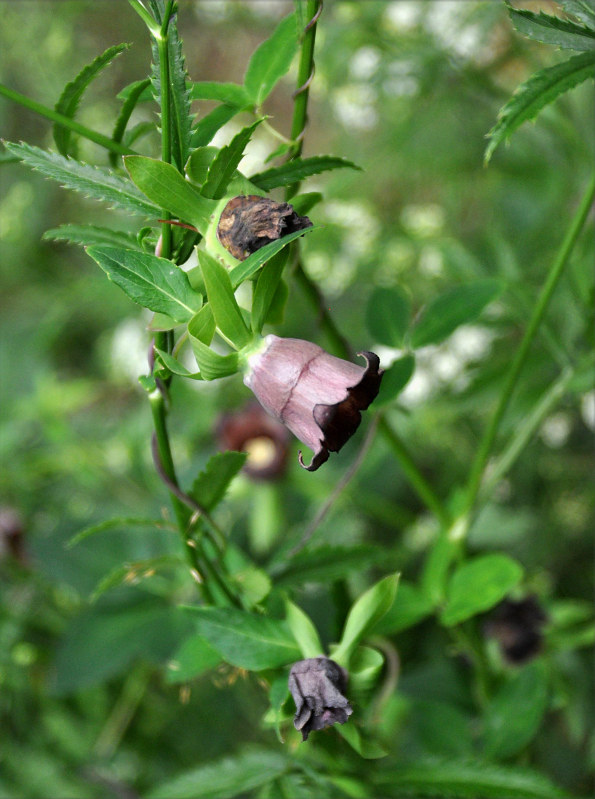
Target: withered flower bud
[
  {"x": 517, "y": 626},
  {"x": 317, "y": 396},
  {"x": 249, "y": 222},
  {"x": 317, "y": 686},
  {"x": 253, "y": 431}
]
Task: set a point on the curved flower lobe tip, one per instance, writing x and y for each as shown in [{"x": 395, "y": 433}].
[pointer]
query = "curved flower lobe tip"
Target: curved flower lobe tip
[
  {"x": 317, "y": 686},
  {"x": 317, "y": 396}
]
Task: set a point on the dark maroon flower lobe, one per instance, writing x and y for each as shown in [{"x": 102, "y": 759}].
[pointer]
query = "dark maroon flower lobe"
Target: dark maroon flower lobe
[
  {"x": 317, "y": 686},
  {"x": 317, "y": 396}
]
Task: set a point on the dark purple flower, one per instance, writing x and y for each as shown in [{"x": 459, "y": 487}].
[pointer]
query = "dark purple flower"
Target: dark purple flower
[
  {"x": 517, "y": 626},
  {"x": 319, "y": 397},
  {"x": 253, "y": 431},
  {"x": 317, "y": 686}
]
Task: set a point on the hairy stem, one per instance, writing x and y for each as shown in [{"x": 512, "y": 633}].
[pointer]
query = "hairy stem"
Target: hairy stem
[
  {"x": 516, "y": 367},
  {"x": 67, "y": 122}
]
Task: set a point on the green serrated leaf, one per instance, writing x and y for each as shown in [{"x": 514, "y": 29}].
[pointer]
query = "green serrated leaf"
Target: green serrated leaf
[
  {"x": 457, "y": 306},
  {"x": 298, "y": 169},
  {"x": 227, "y": 778},
  {"x": 253, "y": 262},
  {"x": 131, "y": 101},
  {"x": 552, "y": 30},
  {"x": 303, "y": 630},
  {"x": 145, "y": 95},
  {"x": 581, "y": 9},
  {"x": 266, "y": 288},
  {"x": 179, "y": 98},
  {"x": 94, "y": 182},
  {"x": 365, "y": 613},
  {"x": 244, "y": 639},
  {"x": 226, "y": 312},
  {"x": 193, "y": 658},
  {"x": 271, "y": 60},
  {"x": 541, "y": 89},
  {"x": 467, "y": 779},
  {"x": 387, "y": 315},
  {"x": 153, "y": 282},
  {"x": 164, "y": 185},
  {"x": 91, "y": 234},
  {"x": 210, "y": 486},
  {"x": 207, "y": 127},
  {"x": 514, "y": 715},
  {"x": 73, "y": 91},
  {"x": 394, "y": 380},
  {"x": 231, "y": 94},
  {"x": 226, "y": 162},
  {"x": 130, "y": 573},
  {"x": 113, "y": 524},
  {"x": 479, "y": 584}
]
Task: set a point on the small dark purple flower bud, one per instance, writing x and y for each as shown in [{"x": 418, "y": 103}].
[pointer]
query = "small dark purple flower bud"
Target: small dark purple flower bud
[
  {"x": 266, "y": 441},
  {"x": 517, "y": 626},
  {"x": 317, "y": 686},
  {"x": 317, "y": 396},
  {"x": 249, "y": 222}
]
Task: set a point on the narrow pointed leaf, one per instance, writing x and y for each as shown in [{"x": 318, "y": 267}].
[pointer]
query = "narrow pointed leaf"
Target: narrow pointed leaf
[
  {"x": 155, "y": 283},
  {"x": 94, "y": 182},
  {"x": 91, "y": 234},
  {"x": 176, "y": 367},
  {"x": 253, "y": 262},
  {"x": 226, "y": 311},
  {"x": 387, "y": 315},
  {"x": 73, "y": 91},
  {"x": 581, "y": 9},
  {"x": 130, "y": 103},
  {"x": 207, "y": 127},
  {"x": 271, "y": 60},
  {"x": 226, "y": 162},
  {"x": 212, "y": 365},
  {"x": 199, "y": 163},
  {"x": 365, "y": 613},
  {"x": 164, "y": 185},
  {"x": 552, "y": 30},
  {"x": 298, "y": 169},
  {"x": 303, "y": 630},
  {"x": 532, "y": 96},
  {"x": 266, "y": 288}
]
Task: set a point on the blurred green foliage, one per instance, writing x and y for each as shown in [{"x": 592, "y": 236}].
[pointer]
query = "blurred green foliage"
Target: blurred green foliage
[{"x": 408, "y": 91}]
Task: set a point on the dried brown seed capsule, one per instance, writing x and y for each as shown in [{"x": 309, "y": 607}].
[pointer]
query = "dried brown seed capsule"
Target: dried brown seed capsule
[{"x": 249, "y": 222}]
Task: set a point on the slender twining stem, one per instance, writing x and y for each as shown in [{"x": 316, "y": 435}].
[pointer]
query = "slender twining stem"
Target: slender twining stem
[
  {"x": 525, "y": 430},
  {"x": 338, "y": 489},
  {"x": 554, "y": 275},
  {"x": 413, "y": 474},
  {"x": 67, "y": 122},
  {"x": 304, "y": 79},
  {"x": 338, "y": 342}
]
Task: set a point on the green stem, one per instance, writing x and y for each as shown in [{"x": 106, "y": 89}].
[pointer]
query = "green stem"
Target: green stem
[
  {"x": 520, "y": 357},
  {"x": 525, "y": 430},
  {"x": 305, "y": 74},
  {"x": 67, "y": 122},
  {"x": 413, "y": 474},
  {"x": 163, "y": 49}
]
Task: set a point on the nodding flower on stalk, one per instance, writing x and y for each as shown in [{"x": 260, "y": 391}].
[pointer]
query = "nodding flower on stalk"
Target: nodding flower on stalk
[
  {"x": 318, "y": 686},
  {"x": 317, "y": 396}
]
